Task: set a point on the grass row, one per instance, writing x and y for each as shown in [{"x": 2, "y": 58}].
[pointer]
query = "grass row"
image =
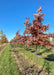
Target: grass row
[
  {"x": 41, "y": 50},
  {"x": 49, "y": 66},
  {"x": 8, "y": 65}
]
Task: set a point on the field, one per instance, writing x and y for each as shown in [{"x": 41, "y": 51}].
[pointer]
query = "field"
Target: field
[{"x": 21, "y": 60}]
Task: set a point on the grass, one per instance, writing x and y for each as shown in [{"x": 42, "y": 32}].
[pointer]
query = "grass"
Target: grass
[
  {"x": 41, "y": 62},
  {"x": 8, "y": 65},
  {"x": 43, "y": 50}
]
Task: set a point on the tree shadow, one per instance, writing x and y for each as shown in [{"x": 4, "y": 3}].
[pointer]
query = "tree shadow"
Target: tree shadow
[
  {"x": 50, "y": 57},
  {"x": 41, "y": 68},
  {"x": 46, "y": 50},
  {"x": 46, "y": 65},
  {"x": 29, "y": 49},
  {"x": 33, "y": 51}
]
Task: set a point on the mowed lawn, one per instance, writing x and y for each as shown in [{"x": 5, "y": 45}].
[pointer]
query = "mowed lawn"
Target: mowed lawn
[{"x": 8, "y": 65}]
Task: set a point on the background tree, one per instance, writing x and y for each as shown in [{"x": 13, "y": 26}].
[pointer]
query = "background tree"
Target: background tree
[
  {"x": 4, "y": 39},
  {"x": 1, "y": 33}
]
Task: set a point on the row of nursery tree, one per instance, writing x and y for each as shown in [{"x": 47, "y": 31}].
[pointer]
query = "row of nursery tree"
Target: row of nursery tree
[{"x": 34, "y": 33}]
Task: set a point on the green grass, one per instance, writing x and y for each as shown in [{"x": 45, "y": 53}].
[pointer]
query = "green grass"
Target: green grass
[
  {"x": 41, "y": 62},
  {"x": 43, "y": 50},
  {"x": 8, "y": 65}
]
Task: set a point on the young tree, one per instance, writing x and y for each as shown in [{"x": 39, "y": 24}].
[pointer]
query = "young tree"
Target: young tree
[{"x": 37, "y": 29}]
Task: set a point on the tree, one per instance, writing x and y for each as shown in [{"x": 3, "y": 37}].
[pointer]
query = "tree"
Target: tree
[
  {"x": 4, "y": 39},
  {"x": 1, "y": 32},
  {"x": 37, "y": 29},
  {"x": 27, "y": 25},
  {"x": 35, "y": 33},
  {"x": 17, "y": 33}
]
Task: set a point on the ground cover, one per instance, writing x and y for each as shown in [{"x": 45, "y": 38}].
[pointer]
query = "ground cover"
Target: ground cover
[
  {"x": 41, "y": 62},
  {"x": 8, "y": 65}
]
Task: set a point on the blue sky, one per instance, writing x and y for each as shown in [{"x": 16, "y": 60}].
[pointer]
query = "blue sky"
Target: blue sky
[{"x": 14, "y": 12}]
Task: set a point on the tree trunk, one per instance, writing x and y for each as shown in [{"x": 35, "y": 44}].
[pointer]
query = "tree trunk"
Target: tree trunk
[
  {"x": 39, "y": 48},
  {"x": 36, "y": 62}
]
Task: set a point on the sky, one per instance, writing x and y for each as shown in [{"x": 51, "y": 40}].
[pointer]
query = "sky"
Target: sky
[{"x": 13, "y": 14}]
